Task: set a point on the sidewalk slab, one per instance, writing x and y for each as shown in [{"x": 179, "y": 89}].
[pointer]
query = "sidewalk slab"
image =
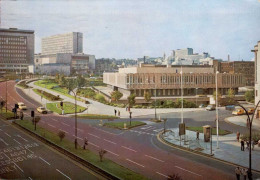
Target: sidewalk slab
[{"x": 242, "y": 121}]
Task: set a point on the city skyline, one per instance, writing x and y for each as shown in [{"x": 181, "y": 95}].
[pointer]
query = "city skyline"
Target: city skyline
[{"x": 132, "y": 29}]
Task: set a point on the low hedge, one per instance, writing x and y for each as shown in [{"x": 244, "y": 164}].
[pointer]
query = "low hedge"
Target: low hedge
[{"x": 47, "y": 95}]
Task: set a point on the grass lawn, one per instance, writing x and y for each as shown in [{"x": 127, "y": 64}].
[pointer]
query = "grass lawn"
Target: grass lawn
[
  {"x": 214, "y": 131},
  {"x": 120, "y": 125},
  {"x": 107, "y": 165},
  {"x": 97, "y": 116},
  {"x": 46, "y": 95},
  {"x": 49, "y": 84},
  {"x": 5, "y": 115},
  {"x": 67, "y": 106}
]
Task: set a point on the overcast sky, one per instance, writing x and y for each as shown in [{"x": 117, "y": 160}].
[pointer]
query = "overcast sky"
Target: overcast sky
[{"x": 134, "y": 28}]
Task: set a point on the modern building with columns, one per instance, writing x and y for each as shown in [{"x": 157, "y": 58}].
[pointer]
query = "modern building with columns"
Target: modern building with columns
[{"x": 165, "y": 81}]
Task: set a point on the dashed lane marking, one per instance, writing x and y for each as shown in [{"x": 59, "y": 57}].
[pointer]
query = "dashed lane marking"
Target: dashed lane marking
[
  {"x": 65, "y": 124},
  {"x": 51, "y": 125},
  {"x": 112, "y": 152},
  {"x": 30, "y": 178},
  {"x": 135, "y": 163},
  {"x": 63, "y": 174},
  {"x": 154, "y": 158},
  {"x": 94, "y": 135},
  {"x": 22, "y": 138},
  {"x": 45, "y": 161},
  {"x": 4, "y": 142},
  {"x": 78, "y": 137},
  {"x": 93, "y": 144},
  {"x": 163, "y": 175},
  {"x": 17, "y": 141},
  {"x": 63, "y": 131},
  {"x": 188, "y": 171},
  {"x": 109, "y": 141},
  {"x": 129, "y": 148},
  {"x": 7, "y": 134}
]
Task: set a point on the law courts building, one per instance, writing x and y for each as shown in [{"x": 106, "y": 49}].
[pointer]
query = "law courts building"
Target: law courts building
[{"x": 163, "y": 81}]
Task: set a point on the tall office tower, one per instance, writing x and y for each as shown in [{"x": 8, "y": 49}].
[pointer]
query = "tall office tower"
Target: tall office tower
[
  {"x": 63, "y": 43},
  {"x": 257, "y": 72},
  {"x": 16, "y": 50}
]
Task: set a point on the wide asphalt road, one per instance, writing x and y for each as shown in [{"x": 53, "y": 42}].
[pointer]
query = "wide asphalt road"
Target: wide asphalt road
[{"x": 139, "y": 152}]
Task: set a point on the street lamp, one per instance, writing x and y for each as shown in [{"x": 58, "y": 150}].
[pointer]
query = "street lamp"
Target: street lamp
[
  {"x": 181, "y": 98},
  {"x": 250, "y": 137},
  {"x": 155, "y": 115},
  {"x": 217, "y": 105},
  {"x": 196, "y": 97}
]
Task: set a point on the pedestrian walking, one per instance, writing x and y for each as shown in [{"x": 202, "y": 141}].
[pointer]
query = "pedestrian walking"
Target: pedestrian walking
[
  {"x": 85, "y": 143},
  {"x": 198, "y": 135},
  {"x": 244, "y": 173},
  {"x": 118, "y": 113},
  {"x": 238, "y": 172},
  {"x": 242, "y": 145},
  {"x": 21, "y": 115},
  {"x": 247, "y": 145},
  {"x": 115, "y": 112},
  {"x": 130, "y": 115},
  {"x": 238, "y": 135},
  {"x": 126, "y": 108}
]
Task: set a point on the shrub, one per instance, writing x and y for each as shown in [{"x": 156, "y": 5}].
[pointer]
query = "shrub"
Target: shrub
[
  {"x": 250, "y": 96},
  {"x": 100, "y": 98}
]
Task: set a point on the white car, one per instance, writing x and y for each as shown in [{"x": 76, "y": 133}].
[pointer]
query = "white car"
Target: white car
[
  {"x": 210, "y": 107},
  {"x": 21, "y": 106}
]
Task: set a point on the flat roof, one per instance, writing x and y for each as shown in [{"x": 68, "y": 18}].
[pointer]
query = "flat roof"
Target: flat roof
[{"x": 15, "y": 30}]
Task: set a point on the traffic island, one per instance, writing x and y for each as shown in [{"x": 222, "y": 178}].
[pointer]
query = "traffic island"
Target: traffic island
[
  {"x": 88, "y": 158},
  {"x": 96, "y": 116},
  {"x": 124, "y": 125},
  {"x": 69, "y": 108},
  {"x": 6, "y": 114}
]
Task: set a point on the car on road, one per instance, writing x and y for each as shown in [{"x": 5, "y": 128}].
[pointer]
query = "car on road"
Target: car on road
[
  {"x": 201, "y": 106},
  {"x": 21, "y": 106},
  {"x": 250, "y": 110},
  {"x": 238, "y": 111},
  {"x": 42, "y": 110},
  {"x": 210, "y": 107}
]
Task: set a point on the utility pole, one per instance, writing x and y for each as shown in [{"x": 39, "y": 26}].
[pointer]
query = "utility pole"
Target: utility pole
[
  {"x": 6, "y": 95},
  {"x": 217, "y": 105},
  {"x": 181, "y": 98}
]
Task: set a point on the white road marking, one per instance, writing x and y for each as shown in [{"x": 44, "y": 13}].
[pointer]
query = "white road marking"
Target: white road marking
[
  {"x": 18, "y": 167},
  {"x": 163, "y": 175},
  {"x": 51, "y": 125},
  {"x": 93, "y": 144},
  {"x": 63, "y": 174},
  {"x": 63, "y": 131},
  {"x": 22, "y": 138},
  {"x": 7, "y": 134},
  {"x": 188, "y": 171},
  {"x": 30, "y": 178},
  {"x": 44, "y": 161},
  {"x": 135, "y": 163},
  {"x": 30, "y": 150},
  {"x": 154, "y": 158},
  {"x": 54, "y": 119},
  {"x": 16, "y": 141},
  {"x": 1, "y": 130},
  {"x": 78, "y": 137},
  {"x": 109, "y": 141},
  {"x": 3, "y": 141},
  {"x": 147, "y": 127},
  {"x": 112, "y": 152},
  {"x": 65, "y": 124},
  {"x": 94, "y": 135},
  {"x": 129, "y": 149}
]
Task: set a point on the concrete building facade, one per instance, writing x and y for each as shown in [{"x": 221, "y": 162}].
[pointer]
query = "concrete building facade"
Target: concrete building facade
[
  {"x": 63, "y": 43},
  {"x": 17, "y": 50},
  {"x": 166, "y": 80},
  {"x": 82, "y": 63}
]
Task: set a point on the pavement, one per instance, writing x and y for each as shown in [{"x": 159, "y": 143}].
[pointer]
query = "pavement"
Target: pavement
[
  {"x": 137, "y": 149},
  {"x": 23, "y": 157},
  {"x": 99, "y": 108},
  {"x": 242, "y": 120}
]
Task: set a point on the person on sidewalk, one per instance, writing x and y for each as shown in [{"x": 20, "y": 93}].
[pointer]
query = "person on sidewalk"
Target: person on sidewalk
[
  {"x": 238, "y": 135},
  {"x": 126, "y": 108},
  {"x": 247, "y": 145},
  {"x": 238, "y": 172},
  {"x": 198, "y": 135},
  {"x": 21, "y": 115},
  {"x": 244, "y": 173},
  {"x": 115, "y": 112},
  {"x": 118, "y": 113},
  {"x": 242, "y": 145}
]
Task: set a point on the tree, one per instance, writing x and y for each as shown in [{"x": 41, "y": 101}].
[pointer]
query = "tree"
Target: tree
[
  {"x": 62, "y": 81},
  {"x": 116, "y": 95},
  {"x": 102, "y": 152},
  {"x": 250, "y": 96},
  {"x": 100, "y": 98},
  {"x": 36, "y": 119},
  {"x": 131, "y": 99},
  {"x": 219, "y": 96},
  {"x": 174, "y": 177},
  {"x": 57, "y": 78},
  {"x": 61, "y": 135},
  {"x": 147, "y": 96}
]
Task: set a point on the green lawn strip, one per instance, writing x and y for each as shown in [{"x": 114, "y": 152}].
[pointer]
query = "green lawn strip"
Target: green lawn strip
[
  {"x": 46, "y": 95},
  {"x": 97, "y": 116},
  {"x": 6, "y": 115},
  {"x": 214, "y": 130},
  {"x": 120, "y": 125},
  {"x": 54, "y": 87},
  {"x": 67, "y": 106},
  {"x": 92, "y": 157}
]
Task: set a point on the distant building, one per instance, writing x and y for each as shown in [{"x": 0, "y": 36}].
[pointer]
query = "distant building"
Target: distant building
[
  {"x": 17, "y": 50},
  {"x": 247, "y": 68},
  {"x": 53, "y": 69},
  {"x": 82, "y": 63},
  {"x": 257, "y": 72},
  {"x": 166, "y": 80},
  {"x": 63, "y": 43},
  {"x": 105, "y": 65}
]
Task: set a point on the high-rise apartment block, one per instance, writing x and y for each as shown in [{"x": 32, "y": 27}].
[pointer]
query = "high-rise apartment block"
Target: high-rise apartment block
[
  {"x": 257, "y": 72},
  {"x": 63, "y": 43},
  {"x": 16, "y": 50}
]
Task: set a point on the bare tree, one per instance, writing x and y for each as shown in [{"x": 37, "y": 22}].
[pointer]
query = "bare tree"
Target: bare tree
[
  {"x": 102, "y": 152},
  {"x": 61, "y": 135}
]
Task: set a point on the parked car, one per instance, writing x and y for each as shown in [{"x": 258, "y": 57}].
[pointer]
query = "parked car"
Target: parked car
[
  {"x": 230, "y": 107},
  {"x": 250, "y": 110},
  {"x": 238, "y": 111},
  {"x": 201, "y": 106},
  {"x": 21, "y": 106},
  {"x": 42, "y": 110},
  {"x": 210, "y": 107}
]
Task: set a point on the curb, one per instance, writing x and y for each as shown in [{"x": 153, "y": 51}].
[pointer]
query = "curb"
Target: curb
[
  {"x": 199, "y": 153},
  {"x": 74, "y": 157},
  {"x": 227, "y": 121}
]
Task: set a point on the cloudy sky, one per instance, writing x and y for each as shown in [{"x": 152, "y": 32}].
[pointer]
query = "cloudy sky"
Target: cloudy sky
[{"x": 134, "y": 28}]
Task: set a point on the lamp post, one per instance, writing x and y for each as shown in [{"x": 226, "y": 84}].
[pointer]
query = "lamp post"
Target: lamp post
[
  {"x": 181, "y": 98},
  {"x": 155, "y": 115},
  {"x": 6, "y": 95},
  {"x": 217, "y": 105},
  {"x": 196, "y": 97},
  {"x": 250, "y": 120}
]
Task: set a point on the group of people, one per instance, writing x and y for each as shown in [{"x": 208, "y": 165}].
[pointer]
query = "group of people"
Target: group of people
[
  {"x": 242, "y": 142},
  {"x": 241, "y": 172},
  {"x": 117, "y": 112}
]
